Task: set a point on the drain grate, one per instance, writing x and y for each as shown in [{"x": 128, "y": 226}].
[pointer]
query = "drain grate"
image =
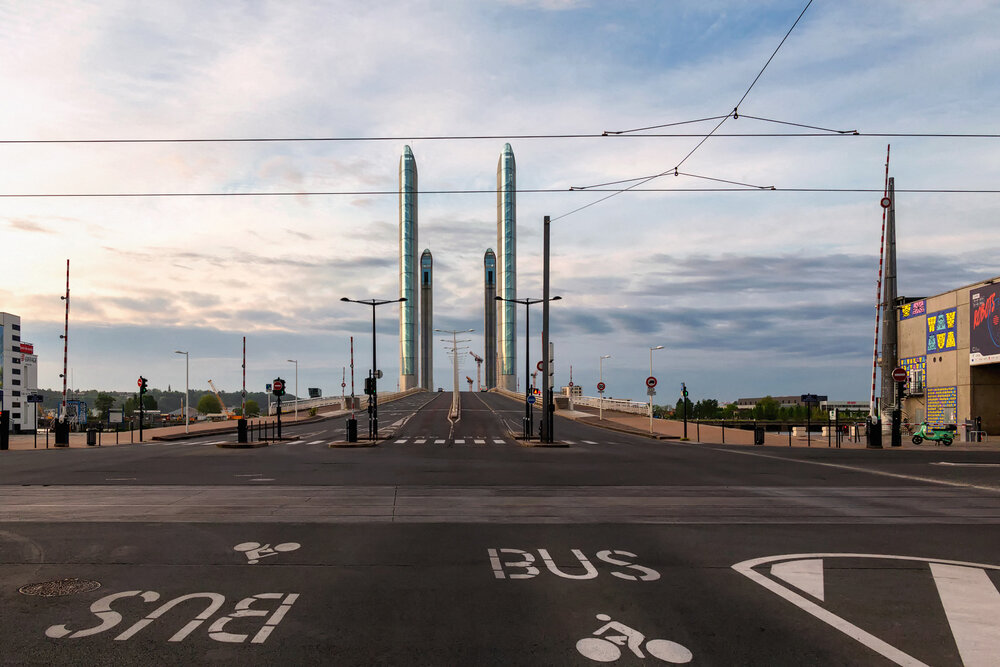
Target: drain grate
[{"x": 60, "y": 587}]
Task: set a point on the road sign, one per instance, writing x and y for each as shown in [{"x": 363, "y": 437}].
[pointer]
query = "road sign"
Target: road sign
[
  {"x": 540, "y": 365},
  {"x": 886, "y": 202},
  {"x": 571, "y": 384},
  {"x": 651, "y": 382},
  {"x": 531, "y": 398},
  {"x": 600, "y": 386},
  {"x": 651, "y": 391},
  {"x": 899, "y": 374},
  {"x": 139, "y": 382},
  {"x": 278, "y": 385},
  {"x": 35, "y": 398},
  {"x": 343, "y": 384},
  {"x": 243, "y": 393}
]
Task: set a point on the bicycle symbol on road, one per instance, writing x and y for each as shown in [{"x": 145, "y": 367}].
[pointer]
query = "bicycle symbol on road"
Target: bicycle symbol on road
[
  {"x": 255, "y": 550},
  {"x": 608, "y": 647}
]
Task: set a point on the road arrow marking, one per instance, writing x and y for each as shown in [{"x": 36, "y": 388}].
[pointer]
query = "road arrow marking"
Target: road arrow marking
[{"x": 970, "y": 600}]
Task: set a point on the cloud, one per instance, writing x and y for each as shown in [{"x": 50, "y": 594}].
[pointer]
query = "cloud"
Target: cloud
[{"x": 24, "y": 225}]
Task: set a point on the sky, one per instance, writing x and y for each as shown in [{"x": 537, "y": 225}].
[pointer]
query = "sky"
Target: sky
[{"x": 750, "y": 292}]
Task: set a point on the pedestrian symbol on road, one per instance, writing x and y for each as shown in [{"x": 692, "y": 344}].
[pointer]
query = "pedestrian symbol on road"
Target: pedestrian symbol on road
[
  {"x": 255, "y": 550},
  {"x": 616, "y": 635}
]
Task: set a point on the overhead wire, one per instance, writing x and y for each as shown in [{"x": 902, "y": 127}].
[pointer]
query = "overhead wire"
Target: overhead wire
[{"x": 707, "y": 136}]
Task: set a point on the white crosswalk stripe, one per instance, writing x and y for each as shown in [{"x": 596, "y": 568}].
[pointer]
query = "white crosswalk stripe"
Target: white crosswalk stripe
[
  {"x": 316, "y": 442},
  {"x": 439, "y": 442},
  {"x": 589, "y": 442},
  {"x": 498, "y": 441},
  {"x": 459, "y": 442},
  {"x": 420, "y": 441},
  {"x": 401, "y": 441},
  {"x": 480, "y": 442}
]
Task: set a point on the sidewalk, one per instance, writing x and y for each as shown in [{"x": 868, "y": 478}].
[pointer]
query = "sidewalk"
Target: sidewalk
[{"x": 668, "y": 429}]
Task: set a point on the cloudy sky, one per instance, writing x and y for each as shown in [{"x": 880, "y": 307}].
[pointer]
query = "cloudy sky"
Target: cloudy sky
[{"x": 750, "y": 292}]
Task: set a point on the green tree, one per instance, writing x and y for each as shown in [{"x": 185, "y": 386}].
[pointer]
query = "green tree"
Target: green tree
[
  {"x": 767, "y": 408},
  {"x": 148, "y": 402},
  {"x": 103, "y": 403},
  {"x": 253, "y": 410},
  {"x": 209, "y": 404}
]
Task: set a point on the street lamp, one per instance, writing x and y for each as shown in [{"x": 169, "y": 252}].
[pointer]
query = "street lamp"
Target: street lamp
[
  {"x": 186, "y": 387},
  {"x": 601, "y": 392},
  {"x": 528, "y": 416},
  {"x": 296, "y": 362},
  {"x": 454, "y": 350},
  {"x": 658, "y": 347},
  {"x": 373, "y": 397}
]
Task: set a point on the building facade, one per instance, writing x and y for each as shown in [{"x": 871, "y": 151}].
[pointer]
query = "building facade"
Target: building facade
[
  {"x": 949, "y": 345},
  {"x": 426, "y": 320},
  {"x": 18, "y": 374}
]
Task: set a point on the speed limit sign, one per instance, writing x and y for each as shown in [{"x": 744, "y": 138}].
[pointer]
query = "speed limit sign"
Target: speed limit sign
[
  {"x": 600, "y": 386},
  {"x": 651, "y": 382}
]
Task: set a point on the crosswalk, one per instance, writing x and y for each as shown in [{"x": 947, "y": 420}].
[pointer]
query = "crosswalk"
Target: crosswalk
[
  {"x": 419, "y": 440},
  {"x": 423, "y": 440}
]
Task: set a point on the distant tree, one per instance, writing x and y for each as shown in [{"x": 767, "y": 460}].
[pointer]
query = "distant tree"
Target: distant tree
[
  {"x": 209, "y": 404},
  {"x": 253, "y": 410},
  {"x": 767, "y": 408},
  {"x": 103, "y": 403},
  {"x": 148, "y": 402}
]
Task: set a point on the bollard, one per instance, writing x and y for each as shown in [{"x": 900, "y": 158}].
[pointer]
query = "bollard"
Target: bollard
[
  {"x": 723, "y": 431},
  {"x": 241, "y": 430},
  {"x": 352, "y": 430}
]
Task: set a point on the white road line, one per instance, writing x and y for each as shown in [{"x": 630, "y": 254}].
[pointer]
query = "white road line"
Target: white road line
[
  {"x": 439, "y": 442},
  {"x": 401, "y": 441},
  {"x": 420, "y": 441},
  {"x": 459, "y": 442},
  {"x": 589, "y": 442},
  {"x": 317, "y": 442},
  {"x": 966, "y": 465},
  {"x": 480, "y": 442},
  {"x": 844, "y": 466},
  {"x": 498, "y": 441}
]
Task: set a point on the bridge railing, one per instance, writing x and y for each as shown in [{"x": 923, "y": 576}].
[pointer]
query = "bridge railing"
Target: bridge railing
[{"x": 616, "y": 404}]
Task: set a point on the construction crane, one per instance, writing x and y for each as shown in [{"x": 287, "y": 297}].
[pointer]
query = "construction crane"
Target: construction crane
[
  {"x": 479, "y": 370},
  {"x": 229, "y": 414},
  {"x": 469, "y": 380}
]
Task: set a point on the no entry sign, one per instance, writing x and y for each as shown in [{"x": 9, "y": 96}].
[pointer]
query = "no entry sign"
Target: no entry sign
[{"x": 899, "y": 374}]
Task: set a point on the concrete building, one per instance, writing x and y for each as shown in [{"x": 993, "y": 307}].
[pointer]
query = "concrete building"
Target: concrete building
[
  {"x": 426, "y": 321},
  {"x": 490, "y": 317},
  {"x": 409, "y": 271},
  {"x": 949, "y": 345},
  {"x": 507, "y": 270},
  {"x": 18, "y": 374},
  {"x": 783, "y": 401}
]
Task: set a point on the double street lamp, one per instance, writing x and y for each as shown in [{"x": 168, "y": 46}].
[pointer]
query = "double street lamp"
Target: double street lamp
[
  {"x": 454, "y": 350},
  {"x": 187, "y": 408},
  {"x": 528, "y": 413},
  {"x": 658, "y": 347},
  {"x": 373, "y": 396}
]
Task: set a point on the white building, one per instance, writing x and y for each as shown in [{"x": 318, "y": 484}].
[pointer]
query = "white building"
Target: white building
[{"x": 18, "y": 374}]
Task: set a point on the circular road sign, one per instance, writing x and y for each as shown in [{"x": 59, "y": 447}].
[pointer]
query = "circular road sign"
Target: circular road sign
[
  {"x": 531, "y": 398},
  {"x": 540, "y": 366},
  {"x": 571, "y": 384},
  {"x": 899, "y": 374},
  {"x": 600, "y": 386},
  {"x": 343, "y": 384},
  {"x": 277, "y": 385},
  {"x": 139, "y": 382},
  {"x": 651, "y": 382},
  {"x": 886, "y": 202}
]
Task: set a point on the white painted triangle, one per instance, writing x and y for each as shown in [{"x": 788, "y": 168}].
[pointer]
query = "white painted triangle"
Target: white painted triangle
[
  {"x": 972, "y": 604},
  {"x": 805, "y": 575}
]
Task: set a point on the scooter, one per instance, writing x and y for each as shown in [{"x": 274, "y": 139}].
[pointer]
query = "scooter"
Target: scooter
[{"x": 926, "y": 432}]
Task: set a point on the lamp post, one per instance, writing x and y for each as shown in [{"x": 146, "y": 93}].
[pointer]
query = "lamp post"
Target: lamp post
[
  {"x": 528, "y": 416},
  {"x": 373, "y": 397},
  {"x": 186, "y": 387},
  {"x": 296, "y": 362},
  {"x": 454, "y": 351},
  {"x": 601, "y": 392},
  {"x": 650, "y": 389}
]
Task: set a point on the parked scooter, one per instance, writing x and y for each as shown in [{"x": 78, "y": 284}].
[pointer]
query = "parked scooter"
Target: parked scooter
[{"x": 926, "y": 432}]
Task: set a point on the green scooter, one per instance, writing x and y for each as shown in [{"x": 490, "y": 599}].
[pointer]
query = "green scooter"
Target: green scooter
[{"x": 926, "y": 432}]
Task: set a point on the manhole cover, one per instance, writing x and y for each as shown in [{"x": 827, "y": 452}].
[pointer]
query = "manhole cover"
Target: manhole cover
[{"x": 61, "y": 587}]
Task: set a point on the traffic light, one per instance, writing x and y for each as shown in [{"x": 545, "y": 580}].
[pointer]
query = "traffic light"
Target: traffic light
[
  {"x": 142, "y": 385},
  {"x": 278, "y": 387},
  {"x": 684, "y": 390},
  {"x": 369, "y": 386}
]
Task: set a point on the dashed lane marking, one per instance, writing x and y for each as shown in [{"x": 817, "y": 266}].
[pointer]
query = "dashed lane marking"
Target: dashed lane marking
[
  {"x": 420, "y": 441},
  {"x": 480, "y": 442},
  {"x": 439, "y": 442},
  {"x": 589, "y": 442},
  {"x": 317, "y": 442}
]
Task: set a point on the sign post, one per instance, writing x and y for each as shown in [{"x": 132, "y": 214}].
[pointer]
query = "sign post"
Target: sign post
[{"x": 895, "y": 435}]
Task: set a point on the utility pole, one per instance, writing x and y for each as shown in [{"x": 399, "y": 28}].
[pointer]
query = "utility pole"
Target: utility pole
[{"x": 547, "y": 407}]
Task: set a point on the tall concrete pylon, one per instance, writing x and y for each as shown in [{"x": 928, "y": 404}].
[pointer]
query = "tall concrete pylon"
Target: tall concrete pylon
[
  {"x": 408, "y": 270},
  {"x": 426, "y": 321},
  {"x": 507, "y": 269},
  {"x": 490, "y": 317}
]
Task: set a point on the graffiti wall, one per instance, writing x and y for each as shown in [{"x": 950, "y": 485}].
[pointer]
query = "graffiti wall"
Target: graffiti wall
[
  {"x": 942, "y": 405},
  {"x": 913, "y": 309},
  {"x": 942, "y": 332}
]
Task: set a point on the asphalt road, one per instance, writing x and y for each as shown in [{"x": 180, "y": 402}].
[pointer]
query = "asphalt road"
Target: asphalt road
[{"x": 451, "y": 544}]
